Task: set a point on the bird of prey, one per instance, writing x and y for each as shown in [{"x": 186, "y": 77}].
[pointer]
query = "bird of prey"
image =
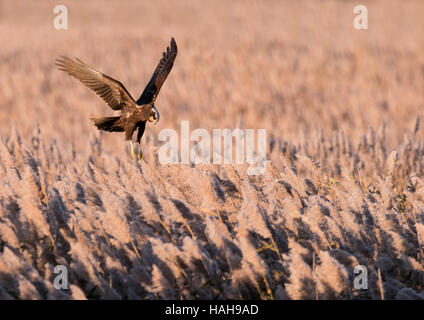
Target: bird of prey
[{"x": 134, "y": 114}]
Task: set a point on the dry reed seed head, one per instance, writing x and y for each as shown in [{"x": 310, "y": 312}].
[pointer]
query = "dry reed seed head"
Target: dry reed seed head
[
  {"x": 5, "y": 156},
  {"x": 301, "y": 282},
  {"x": 250, "y": 216},
  {"x": 160, "y": 287},
  {"x": 332, "y": 278}
]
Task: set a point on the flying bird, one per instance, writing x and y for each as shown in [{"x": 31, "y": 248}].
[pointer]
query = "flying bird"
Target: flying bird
[{"x": 134, "y": 114}]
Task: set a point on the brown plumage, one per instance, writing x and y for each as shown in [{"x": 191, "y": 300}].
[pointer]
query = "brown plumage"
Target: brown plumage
[{"x": 134, "y": 114}]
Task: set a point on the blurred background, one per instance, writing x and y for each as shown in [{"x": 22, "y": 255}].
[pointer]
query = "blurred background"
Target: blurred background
[{"x": 297, "y": 68}]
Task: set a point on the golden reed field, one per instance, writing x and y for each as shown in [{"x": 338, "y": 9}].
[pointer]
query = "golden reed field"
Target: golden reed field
[{"x": 344, "y": 181}]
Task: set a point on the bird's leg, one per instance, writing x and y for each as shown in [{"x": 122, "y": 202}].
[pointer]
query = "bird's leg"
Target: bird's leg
[
  {"x": 140, "y": 153},
  {"x": 132, "y": 150},
  {"x": 140, "y": 132}
]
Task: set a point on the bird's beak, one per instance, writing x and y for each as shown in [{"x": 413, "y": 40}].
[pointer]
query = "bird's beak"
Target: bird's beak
[{"x": 155, "y": 118}]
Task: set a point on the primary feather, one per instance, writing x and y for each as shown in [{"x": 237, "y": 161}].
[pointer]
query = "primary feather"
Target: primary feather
[
  {"x": 159, "y": 76},
  {"x": 110, "y": 90}
]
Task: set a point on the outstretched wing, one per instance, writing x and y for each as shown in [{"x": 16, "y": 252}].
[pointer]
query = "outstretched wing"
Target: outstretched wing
[
  {"x": 159, "y": 76},
  {"x": 110, "y": 90}
]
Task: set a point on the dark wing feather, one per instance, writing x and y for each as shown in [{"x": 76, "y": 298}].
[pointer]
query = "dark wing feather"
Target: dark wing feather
[
  {"x": 141, "y": 129},
  {"x": 109, "y": 89},
  {"x": 159, "y": 76}
]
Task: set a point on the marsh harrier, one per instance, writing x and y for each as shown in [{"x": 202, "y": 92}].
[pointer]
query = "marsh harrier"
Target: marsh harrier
[{"x": 134, "y": 114}]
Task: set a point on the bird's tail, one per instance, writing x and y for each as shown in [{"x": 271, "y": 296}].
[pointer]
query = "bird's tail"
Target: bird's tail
[{"x": 107, "y": 123}]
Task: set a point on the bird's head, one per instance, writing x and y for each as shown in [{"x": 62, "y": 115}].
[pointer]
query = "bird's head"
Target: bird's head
[{"x": 154, "y": 117}]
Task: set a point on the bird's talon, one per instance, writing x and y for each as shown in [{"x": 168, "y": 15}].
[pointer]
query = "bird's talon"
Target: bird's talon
[
  {"x": 140, "y": 156},
  {"x": 132, "y": 150}
]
